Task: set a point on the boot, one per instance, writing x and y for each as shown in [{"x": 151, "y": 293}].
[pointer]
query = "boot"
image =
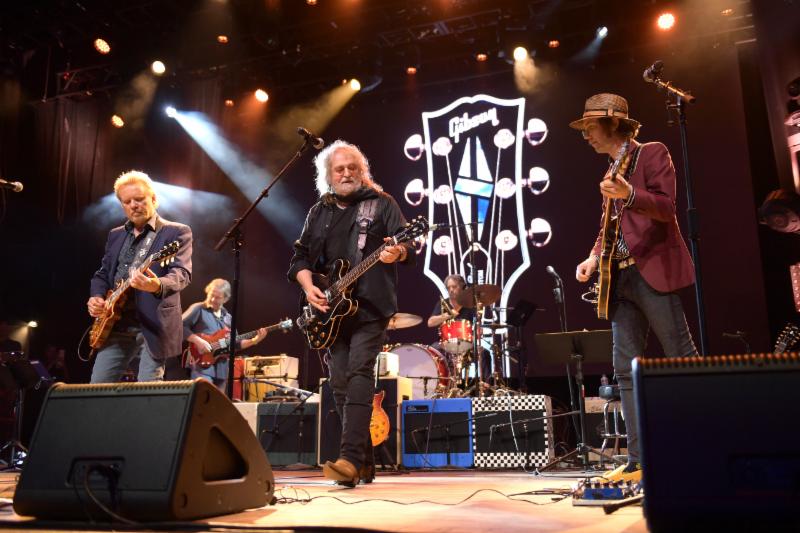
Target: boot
[{"x": 343, "y": 472}]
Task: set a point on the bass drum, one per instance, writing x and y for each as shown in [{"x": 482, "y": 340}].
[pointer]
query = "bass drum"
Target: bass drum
[{"x": 426, "y": 367}]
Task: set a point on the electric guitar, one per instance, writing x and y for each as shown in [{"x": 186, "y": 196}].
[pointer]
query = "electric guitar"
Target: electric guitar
[
  {"x": 321, "y": 328},
  {"x": 220, "y": 344},
  {"x": 379, "y": 422},
  {"x": 787, "y": 339},
  {"x": 116, "y": 298},
  {"x": 610, "y": 236}
]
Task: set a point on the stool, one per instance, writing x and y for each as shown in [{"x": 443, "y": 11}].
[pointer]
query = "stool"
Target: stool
[{"x": 610, "y": 393}]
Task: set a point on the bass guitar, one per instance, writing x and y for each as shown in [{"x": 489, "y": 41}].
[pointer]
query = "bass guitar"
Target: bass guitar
[
  {"x": 611, "y": 220},
  {"x": 320, "y": 329},
  {"x": 116, "y": 298},
  {"x": 220, "y": 342}
]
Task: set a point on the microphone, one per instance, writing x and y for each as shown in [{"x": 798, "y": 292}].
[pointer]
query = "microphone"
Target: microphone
[
  {"x": 14, "y": 186},
  {"x": 312, "y": 139},
  {"x": 552, "y": 271},
  {"x": 558, "y": 293},
  {"x": 652, "y": 73}
]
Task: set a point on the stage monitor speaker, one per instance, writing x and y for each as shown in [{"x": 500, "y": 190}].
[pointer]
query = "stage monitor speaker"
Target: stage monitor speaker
[
  {"x": 173, "y": 450},
  {"x": 719, "y": 449}
]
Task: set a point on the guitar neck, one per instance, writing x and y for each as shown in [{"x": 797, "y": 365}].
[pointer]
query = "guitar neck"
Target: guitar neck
[
  {"x": 125, "y": 285},
  {"x": 352, "y": 275}
]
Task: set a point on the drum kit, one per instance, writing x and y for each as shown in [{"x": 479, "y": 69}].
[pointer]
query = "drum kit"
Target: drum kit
[{"x": 441, "y": 370}]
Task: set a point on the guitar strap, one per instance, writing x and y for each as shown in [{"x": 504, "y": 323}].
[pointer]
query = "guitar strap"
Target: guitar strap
[{"x": 364, "y": 219}]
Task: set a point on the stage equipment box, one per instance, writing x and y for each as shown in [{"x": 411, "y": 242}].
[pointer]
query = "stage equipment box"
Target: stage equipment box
[
  {"x": 511, "y": 431},
  {"x": 251, "y": 371},
  {"x": 398, "y": 390},
  {"x": 437, "y": 433},
  {"x": 288, "y": 436}
]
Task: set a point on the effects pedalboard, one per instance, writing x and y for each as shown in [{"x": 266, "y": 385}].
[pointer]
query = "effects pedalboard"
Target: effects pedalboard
[{"x": 596, "y": 494}]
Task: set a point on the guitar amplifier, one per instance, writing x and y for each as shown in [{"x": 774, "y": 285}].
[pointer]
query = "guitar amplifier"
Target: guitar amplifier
[
  {"x": 253, "y": 371},
  {"x": 398, "y": 390},
  {"x": 511, "y": 432},
  {"x": 286, "y": 431},
  {"x": 437, "y": 433}
]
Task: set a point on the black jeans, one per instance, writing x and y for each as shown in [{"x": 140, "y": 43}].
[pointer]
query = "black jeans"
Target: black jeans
[{"x": 352, "y": 369}]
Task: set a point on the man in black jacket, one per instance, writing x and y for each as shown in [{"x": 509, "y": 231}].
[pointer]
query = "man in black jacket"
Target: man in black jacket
[{"x": 353, "y": 218}]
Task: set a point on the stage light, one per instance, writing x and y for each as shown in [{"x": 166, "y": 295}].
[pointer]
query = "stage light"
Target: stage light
[
  {"x": 229, "y": 103},
  {"x": 261, "y": 95},
  {"x": 520, "y": 53},
  {"x": 311, "y": 2},
  {"x": 727, "y": 12},
  {"x": 222, "y": 39},
  {"x": 355, "y": 85},
  {"x": 411, "y": 70},
  {"x": 170, "y": 111},
  {"x": 665, "y": 21},
  {"x": 602, "y": 32},
  {"x": 481, "y": 57},
  {"x": 555, "y": 43},
  {"x": 33, "y": 324},
  {"x": 117, "y": 121},
  {"x": 158, "y": 68},
  {"x": 102, "y": 46}
]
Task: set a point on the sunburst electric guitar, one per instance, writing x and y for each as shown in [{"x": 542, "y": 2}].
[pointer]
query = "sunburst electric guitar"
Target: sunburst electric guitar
[
  {"x": 611, "y": 227},
  {"x": 321, "y": 328},
  {"x": 220, "y": 341},
  {"x": 379, "y": 422},
  {"x": 116, "y": 297}
]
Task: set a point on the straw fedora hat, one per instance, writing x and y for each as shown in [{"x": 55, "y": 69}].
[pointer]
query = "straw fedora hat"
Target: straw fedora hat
[{"x": 604, "y": 105}]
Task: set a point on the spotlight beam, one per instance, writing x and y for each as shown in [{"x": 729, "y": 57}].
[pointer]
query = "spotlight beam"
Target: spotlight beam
[{"x": 246, "y": 175}]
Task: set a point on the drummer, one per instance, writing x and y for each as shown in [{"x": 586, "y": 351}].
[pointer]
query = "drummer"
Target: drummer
[{"x": 455, "y": 284}]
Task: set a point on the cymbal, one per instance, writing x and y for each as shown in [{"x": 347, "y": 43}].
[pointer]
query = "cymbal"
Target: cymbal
[
  {"x": 487, "y": 294},
  {"x": 403, "y": 320}
]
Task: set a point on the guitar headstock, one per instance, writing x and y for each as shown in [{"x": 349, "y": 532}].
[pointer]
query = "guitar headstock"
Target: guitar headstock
[
  {"x": 416, "y": 228},
  {"x": 166, "y": 255},
  {"x": 285, "y": 325}
]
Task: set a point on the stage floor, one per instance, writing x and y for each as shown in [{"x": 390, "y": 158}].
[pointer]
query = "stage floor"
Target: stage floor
[{"x": 507, "y": 501}]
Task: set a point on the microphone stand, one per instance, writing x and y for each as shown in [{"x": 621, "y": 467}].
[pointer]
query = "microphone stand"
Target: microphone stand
[
  {"x": 681, "y": 98},
  {"x": 234, "y": 234}
]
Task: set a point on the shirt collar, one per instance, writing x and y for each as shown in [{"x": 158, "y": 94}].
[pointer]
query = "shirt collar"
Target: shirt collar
[{"x": 150, "y": 224}]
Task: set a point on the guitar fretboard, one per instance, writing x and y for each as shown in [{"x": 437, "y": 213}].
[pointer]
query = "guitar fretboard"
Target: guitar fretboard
[{"x": 352, "y": 275}]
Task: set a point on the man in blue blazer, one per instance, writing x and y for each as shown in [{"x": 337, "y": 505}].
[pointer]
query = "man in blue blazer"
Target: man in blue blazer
[{"x": 150, "y": 327}]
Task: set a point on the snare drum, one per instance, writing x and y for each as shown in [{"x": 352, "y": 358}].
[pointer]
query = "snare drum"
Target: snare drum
[
  {"x": 456, "y": 336},
  {"x": 426, "y": 367}
]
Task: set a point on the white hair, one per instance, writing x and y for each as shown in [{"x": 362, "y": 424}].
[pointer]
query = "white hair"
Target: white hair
[{"x": 323, "y": 164}]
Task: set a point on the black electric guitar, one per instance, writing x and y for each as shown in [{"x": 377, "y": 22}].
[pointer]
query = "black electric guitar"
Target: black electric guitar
[
  {"x": 787, "y": 339},
  {"x": 321, "y": 328},
  {"x": 610, "y": 237}
]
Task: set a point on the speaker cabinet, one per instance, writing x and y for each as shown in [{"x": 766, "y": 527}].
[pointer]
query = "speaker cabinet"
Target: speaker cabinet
[
  {"x": 398, "y": 389},
  {"x": 437, "y": 433},
  {"x": 175, "y": 450},
  {"x": 719, "y": 448},
  {"x": 288, "y": 432}
]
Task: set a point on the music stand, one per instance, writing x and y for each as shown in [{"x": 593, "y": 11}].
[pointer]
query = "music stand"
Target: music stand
[
  {"x": 592, "y": 347},
  {"x": 518, "y": 317}
]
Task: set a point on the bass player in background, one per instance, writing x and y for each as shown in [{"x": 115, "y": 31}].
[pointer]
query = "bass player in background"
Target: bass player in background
[
  {"x": 352, "y": 219},
  {"x": 650, "y": 261},
  {"x": 150, "y": 324},
  {"x": 210, "y": 316}
]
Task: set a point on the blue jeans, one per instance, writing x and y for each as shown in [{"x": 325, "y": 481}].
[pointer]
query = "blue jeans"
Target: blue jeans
[
  {"x": 635, "y": 308},
  {"x": 121, "y": 348}
]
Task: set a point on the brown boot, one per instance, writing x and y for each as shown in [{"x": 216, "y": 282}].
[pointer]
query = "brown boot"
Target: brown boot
[
  {"x": 342, "y": 471},
  {"x": 367, "y": 473}
]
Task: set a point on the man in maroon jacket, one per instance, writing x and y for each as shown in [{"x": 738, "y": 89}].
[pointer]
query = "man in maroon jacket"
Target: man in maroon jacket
[{"x": 650, "y": 261}]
